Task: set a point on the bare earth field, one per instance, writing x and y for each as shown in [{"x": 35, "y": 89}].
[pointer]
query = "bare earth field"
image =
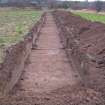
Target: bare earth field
[{"x": 67, "y": 65}]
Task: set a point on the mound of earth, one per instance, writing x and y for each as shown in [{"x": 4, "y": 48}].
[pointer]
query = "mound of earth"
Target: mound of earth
[{"x": 91, "y": 38}]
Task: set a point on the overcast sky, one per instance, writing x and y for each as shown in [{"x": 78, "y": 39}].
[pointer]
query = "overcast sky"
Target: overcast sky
[{"x": 82, "y": 0}]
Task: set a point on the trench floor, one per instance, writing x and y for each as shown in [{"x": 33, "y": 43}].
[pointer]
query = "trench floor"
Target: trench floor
[
  {"x": 49, "y": 67},
  {"x": 49, "y": 77}
]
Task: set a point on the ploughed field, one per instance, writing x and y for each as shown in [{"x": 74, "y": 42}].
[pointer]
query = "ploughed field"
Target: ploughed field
[{"x": 14, "y": 25}]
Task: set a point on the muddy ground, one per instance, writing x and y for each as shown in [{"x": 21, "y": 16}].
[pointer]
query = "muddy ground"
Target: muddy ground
[
  {"x": 49, "y": 77},
  {"x": 90, "y": 38}
]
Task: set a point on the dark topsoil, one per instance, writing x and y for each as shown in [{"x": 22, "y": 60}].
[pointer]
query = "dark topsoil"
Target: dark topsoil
[{"x": 91, "y": 37}]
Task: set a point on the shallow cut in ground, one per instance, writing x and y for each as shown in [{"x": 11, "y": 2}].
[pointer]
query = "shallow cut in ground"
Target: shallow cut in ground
[
  {"x": 49, "y": 78},
  {"x": 49, "y": 68}
]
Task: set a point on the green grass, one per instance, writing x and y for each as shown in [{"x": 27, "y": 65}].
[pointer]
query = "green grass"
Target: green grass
[
  {"x": 95, "y": 17},
  {"x": 15, "y": 24}
]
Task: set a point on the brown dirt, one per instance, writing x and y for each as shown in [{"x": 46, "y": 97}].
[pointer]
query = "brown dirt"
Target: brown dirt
[
  {"x": 90, "y": 34},
  {"x": 16, "y": 56},
  {"x": 49, "y": 68},
  {"x": 91, "y": 40},
  {"x": 49, "y": 78}
]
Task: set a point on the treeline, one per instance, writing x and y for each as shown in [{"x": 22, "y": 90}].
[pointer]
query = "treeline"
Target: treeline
[
  {"x": 97, "y": 5},
  {"x": 20, "y": 3}
]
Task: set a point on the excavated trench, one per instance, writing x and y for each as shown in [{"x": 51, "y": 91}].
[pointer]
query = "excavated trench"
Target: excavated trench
[
  {"x": 50, "y": 77},
  {"x": 49, "y": 68}
]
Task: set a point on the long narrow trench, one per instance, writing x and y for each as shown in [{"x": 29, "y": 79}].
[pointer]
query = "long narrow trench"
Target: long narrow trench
[{"x": 49, "y": 69}]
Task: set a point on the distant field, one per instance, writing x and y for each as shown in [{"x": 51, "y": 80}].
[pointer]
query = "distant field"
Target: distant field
[
  {"x": 92, "y": 16},
  {"x": 14, "y": 24}
]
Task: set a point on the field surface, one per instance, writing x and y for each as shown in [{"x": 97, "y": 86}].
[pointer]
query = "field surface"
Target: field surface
[
  {"x": 95, "y": 17},
  {"x": 15, "y": 24},
  {"x": 53, "y": 77}
]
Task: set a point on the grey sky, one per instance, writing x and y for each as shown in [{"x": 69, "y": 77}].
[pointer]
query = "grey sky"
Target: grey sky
[{"x": 81, "y": 0}]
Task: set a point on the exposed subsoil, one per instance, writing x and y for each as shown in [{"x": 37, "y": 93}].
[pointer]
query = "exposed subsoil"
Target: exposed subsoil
[
  {"x": 49, "y": 78},
  {"x": 90, "y": 37}
]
